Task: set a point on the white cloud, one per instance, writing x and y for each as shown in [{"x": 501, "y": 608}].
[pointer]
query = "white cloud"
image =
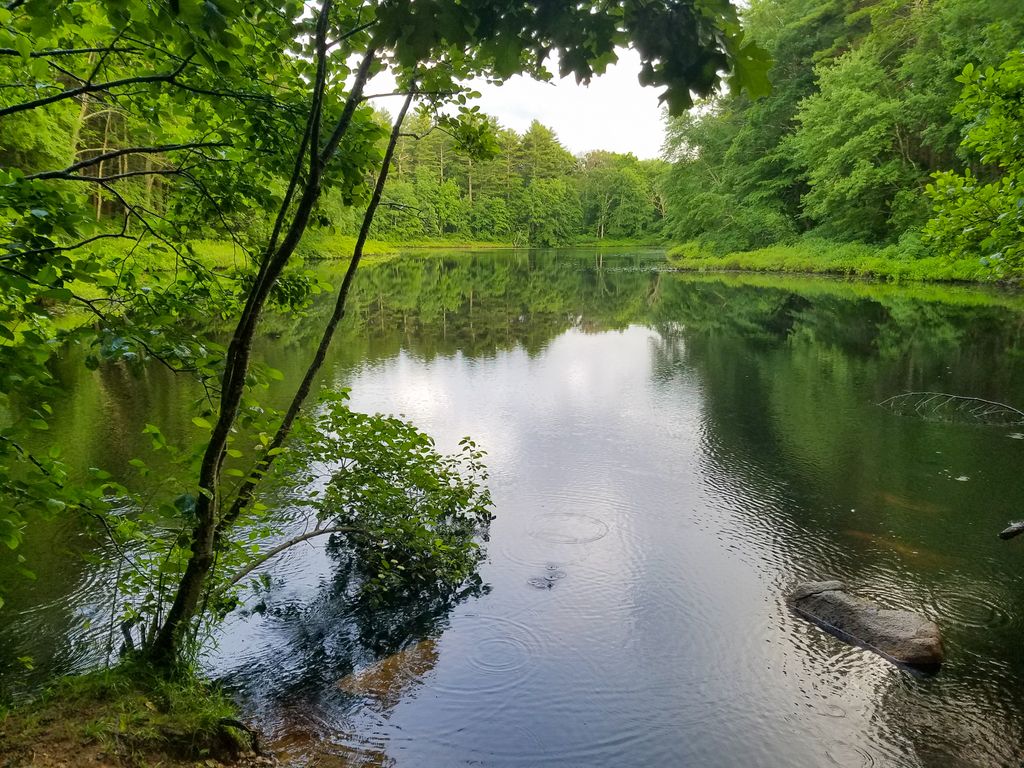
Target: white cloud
[{"x": 614, "y": 112}]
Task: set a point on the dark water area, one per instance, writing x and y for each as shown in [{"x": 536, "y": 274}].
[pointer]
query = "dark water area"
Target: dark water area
[{"x": 669, "y": 454}]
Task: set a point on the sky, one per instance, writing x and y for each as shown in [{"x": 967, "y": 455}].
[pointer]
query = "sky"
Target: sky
[{"x": 614, "y": 112}]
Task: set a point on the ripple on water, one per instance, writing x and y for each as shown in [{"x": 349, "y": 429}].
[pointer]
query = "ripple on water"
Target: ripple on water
[
  {"x": 848, "y": 755},
  {"x": 495, "y": 656},
  {"x": 968, "y": 609},
  {"x": 566, "y": 538},
  {"x": 568, "y": 528}
]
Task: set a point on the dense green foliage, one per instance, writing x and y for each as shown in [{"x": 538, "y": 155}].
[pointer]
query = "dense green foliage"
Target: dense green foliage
[
  {"x": 409, "y": 514},
  {"x": 866, "y": 108},
  {"x": 529, "y": 191},
  {"x": 128, "y": 130},
  {"x": 985, "y": 213}
]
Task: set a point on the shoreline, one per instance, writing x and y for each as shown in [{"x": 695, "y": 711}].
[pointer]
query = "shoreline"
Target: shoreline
[{"x": 906, "y": 262}]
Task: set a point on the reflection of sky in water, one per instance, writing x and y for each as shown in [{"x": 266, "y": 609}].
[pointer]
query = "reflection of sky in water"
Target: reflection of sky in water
[
  {"x": 664, "y": 640},
  {"x": 657, "y": 493}
]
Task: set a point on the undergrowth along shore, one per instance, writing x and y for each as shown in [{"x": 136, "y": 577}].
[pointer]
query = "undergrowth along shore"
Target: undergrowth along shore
[
  {"x": 224, "y": 254},
  {"x": 824, "y": 257},
  {"x": 809, "y": 255},
  {"x": 126, "y": 716}
]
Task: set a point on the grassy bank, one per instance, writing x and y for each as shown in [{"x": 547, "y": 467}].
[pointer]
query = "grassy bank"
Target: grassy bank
[
  {"x": 125, "y": 717},
  {"x": 611, "y": 242},
  {"x": 224, "y": 254},
  {"x": 883, "y": 292},
  {"x": 822, "y": 257}
]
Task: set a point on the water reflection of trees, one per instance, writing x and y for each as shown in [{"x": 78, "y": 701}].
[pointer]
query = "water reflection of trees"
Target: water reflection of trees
[
  {"x": 829, "y": 485},
  {"x": 789, "y": 372},
  {"x": 335, "y": 659}
]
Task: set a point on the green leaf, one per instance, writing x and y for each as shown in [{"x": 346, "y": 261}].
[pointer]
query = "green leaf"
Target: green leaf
[
  {"x": 202, "y": 423},
  {"x": 23, "y": 46}
]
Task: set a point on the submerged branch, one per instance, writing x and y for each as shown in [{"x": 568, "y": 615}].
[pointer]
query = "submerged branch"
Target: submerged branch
[{"x": 947, "y": 407}]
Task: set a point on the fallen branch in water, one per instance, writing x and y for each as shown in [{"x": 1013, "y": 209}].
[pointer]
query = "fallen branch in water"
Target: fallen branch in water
[{"x": 947, "y": 407}]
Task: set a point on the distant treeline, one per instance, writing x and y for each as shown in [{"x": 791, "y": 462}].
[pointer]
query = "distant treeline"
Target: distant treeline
[{"x": 530, "y": 191}]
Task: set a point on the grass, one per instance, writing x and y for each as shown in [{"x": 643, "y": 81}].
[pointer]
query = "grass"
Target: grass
[
  {"x": 612, "y": 242},
  {"x": 821, "y": 257},
  {"x": 325, "y": 245},
  {"x": 455, "y": 244},
  {"x": 124, "y": 716}
]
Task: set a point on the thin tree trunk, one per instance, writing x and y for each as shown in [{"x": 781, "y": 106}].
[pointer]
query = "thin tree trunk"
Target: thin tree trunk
[
  {"x": 149, "y": 182},
  {"x": 166, "y": 645},
  {"x": 99, "y": 170},
  {"x": 245, "y": 492}
]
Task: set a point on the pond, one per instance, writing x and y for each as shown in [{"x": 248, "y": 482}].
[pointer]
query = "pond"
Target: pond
[{"x": 669, "y": 454}]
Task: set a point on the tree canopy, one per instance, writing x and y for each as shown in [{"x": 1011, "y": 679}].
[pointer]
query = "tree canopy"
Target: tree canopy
[{"x": 866, "y": 109}]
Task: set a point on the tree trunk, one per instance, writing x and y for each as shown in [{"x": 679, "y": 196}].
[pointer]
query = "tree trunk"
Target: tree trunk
[
  {"x": 245, "y": 492},
  {"x": 166, "y": 646},
  {"x": 99, "y": 169}
]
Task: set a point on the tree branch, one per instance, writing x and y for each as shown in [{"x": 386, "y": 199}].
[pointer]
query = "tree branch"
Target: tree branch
[
  {"x": 67, "y": 51},
  {"x": 61, "y": 248},
  {"x": 153, "y": 150},
  {"x": 287, "y": 545},
  {"x": 72, "y": 93}
]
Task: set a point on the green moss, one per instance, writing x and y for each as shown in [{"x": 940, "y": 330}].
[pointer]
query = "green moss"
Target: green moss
[
  {"x": 128, "y": 715},
  {"x": 814, "y": 256}
]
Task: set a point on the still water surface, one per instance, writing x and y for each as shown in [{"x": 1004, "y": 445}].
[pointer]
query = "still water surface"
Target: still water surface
[{"x": 669, "y": 454}]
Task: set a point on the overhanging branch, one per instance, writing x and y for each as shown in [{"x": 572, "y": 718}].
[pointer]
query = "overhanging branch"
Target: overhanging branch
[
  {"x": 152, "y": 150},
  {"x": 72, "y": 93}
]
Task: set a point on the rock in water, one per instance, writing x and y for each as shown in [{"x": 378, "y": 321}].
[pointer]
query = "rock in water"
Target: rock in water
[
  {"x": 1013, "y": 529},
  {"x": 901, "y": 636}
]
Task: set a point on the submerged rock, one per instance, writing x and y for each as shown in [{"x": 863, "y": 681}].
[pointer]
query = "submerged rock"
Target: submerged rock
[
  {"x": 1013, "y": 529},
  {"x": 901, "y": 636}
]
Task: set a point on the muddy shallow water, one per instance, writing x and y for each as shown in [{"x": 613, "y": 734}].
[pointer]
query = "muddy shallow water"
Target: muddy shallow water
[{"x": 668, "y": 454}]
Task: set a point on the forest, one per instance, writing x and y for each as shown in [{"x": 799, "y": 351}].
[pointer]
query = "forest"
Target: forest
[
  {"x": 307, "y": 403},
  {"x": 529, "y": 191},
  {"x": 888, "y": 125},
  {"x": 891, "y": 124}
]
